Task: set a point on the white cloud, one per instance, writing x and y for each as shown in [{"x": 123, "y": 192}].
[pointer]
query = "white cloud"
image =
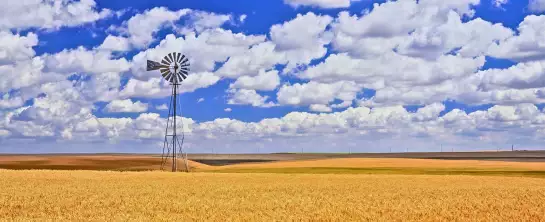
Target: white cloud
[
  {"x": 82, "y": 60},
  {"x": 101, "y": 87},
  {"x": 499, "y": 3},
  {"x": 248, "y": 97},
  {"x": 260, "y": 56},
  {"x": 263, "y": 81},
  {"x": 228, "y": 110},
  {"x": 49, "y": 14},
  {"x": 522, "y": 122},
  {"x": 203, "y": 51},
  {"x": 536, "y": 5},
  {"x": 320, "y": 108},
  {"x": 115, "y": 43},
  {"x": 469, "y": 39},
  {"x": 288, "y": 45},
  {"x": 11, "y": 102},
  {"x": 429, "y": 21},
  {"x": 157, "y": 87},
  {"x": 162, "y": 107},
  {"x": 242, "y": 17},
  {"x": 528, "y": 45},
  {"x": 392, "y": 70},
  {"x": 21, "y": 74},
  {"x": 200, "y": 100},
  {"x": 520, "y": 76},
  {"x": 126, "y": 106},
  {"x": 320, "y": 3},
  {"x": 317, "y": 93},
  {"x": 15, "y": 47},
  {"x": 4, "y": 133},
  {"x": 142, "y": 27},
  {"x": 200, "y": 21},
  {"x": 300, "y": 47}
]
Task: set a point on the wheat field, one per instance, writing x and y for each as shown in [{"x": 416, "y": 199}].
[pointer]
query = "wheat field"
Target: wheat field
[{"x": 47, "y": 195}]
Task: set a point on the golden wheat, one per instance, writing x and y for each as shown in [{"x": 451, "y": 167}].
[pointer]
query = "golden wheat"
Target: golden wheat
[
  {"x": 392, "y": 162},
  {"x": 156, "y": 196}
]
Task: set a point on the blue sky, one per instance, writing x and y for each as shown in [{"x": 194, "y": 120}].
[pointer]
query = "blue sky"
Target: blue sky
[{"x": 278, "y": 76}]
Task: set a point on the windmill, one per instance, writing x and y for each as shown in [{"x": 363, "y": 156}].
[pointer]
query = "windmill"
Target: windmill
[{"x": 174, "y": 68}]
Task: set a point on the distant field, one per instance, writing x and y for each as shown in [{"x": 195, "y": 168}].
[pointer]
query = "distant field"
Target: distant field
[
  {"x": 390, "y": 166},
  {"x": 85, "y": 162},
  {"x": 492, "y": 163},
  {"x": 44, "y": 195}
]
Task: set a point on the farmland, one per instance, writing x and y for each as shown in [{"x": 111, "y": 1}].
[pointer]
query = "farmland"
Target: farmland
[
  {"x": 350, "y": 188},
  {"x": 99, "y": 196}
]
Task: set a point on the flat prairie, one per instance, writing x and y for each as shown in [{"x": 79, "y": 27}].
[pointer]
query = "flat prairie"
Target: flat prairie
[{"x": 48, "y": 195}]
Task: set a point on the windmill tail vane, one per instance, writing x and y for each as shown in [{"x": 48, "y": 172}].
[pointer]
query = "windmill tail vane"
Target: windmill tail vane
[{"x": 174, "y": 68}]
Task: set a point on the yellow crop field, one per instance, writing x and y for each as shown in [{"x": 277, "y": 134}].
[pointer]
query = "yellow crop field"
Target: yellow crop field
[
  {"x": 45, "y": 195},
  {"x": 392, "y": 162}
]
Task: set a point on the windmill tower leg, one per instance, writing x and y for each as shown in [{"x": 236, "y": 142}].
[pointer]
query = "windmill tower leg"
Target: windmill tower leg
[{"x": 174, "y": 136}]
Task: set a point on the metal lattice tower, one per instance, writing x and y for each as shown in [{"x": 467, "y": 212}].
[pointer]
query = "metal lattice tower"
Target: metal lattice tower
[{"x": 174, "y": 68}]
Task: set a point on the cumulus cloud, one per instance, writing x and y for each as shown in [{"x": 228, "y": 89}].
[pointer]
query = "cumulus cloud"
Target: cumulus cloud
[
  {"x": 84, "y": 60},
  {"x": 528, "y": 45},
  {"x": 434, "y": 26},
  {"x": 263, "y": 81},
  {"x": 536, "y": 5},
  {"x": 126, "y": 106},
  {"x": 298, "y": 47},
  {"x": 140, "y": 30},
  {"x": 248, "y": 97},
  {"x": 115, "y": 43},
  {"x": 320, "y": 3},
  {"x": 203, "y": 51},
  {"x": 317, "y": 93},
  {"x": 499, "y": 3},
  {"x": 162, "y": 107},
  {"x": 16, "y": 47},
  {"x": 395, "y": 123},
  {"x": 141, "y": 27},
  {"x": 158, "y": 87},
  {"x": 200, "y": 21},
  {"x": 49, "y": 14}
]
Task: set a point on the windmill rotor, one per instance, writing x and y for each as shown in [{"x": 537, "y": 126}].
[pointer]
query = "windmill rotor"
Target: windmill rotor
[{"x": 174, "y": 67}]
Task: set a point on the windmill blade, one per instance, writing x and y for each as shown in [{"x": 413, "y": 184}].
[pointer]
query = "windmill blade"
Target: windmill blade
[
  {"x": 170, "y": 57},
  {"x": 184, "y": 65},
  {"x": 181, "y": 59},
  {"x": 180, "y": 78},
  {"x": 165, "y": 62},
  {"x": 178, "y": 57},
  {"x": 164, "y": 75},
  {"x": 184, "y": 75},
  {"x": 167, "y": 59},
  {"x": 185, "y": 60},
  {"x": 169, "y": 76}
]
